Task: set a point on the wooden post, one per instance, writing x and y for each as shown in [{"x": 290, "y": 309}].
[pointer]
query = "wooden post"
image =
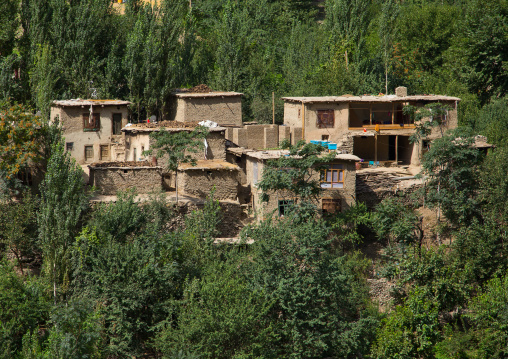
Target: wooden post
[
  {"x": 303, "y": 121},
  {"x": 393, "y": 113},
  {"x": 375, "y": 148},
  {"x": 397, "y": 150},
  {"x": 370, "y": 113},
  {"x": 273, "y": 108}
]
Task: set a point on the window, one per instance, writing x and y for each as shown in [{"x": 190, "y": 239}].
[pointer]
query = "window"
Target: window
[
  {"x": 104, "y": 152},
  {"x": 117, "y": 124},
  {"x": 325, "y": 137},
  {"x": 325, "y": 119},
  {"x": 330, "y": 205},
  {"x": 91, "y": 123},
  {"x": 69, "y": 146},
  {"x": 285, "y": 206},
  {"x": 332, "y": 177},
  {"x": 88, "y": 153},
  {"x": 382, "y": 113}
]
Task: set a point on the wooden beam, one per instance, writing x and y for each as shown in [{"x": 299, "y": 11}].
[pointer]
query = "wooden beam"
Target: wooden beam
[
  {"x": 396, "y": 149},
  {"x": 375, "y": 148},
  {"x": 303, "y": 121}
]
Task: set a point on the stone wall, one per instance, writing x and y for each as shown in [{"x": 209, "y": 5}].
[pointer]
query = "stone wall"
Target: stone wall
[
  {"x": 110, "y": 180},
  {"x": 199, "y": 183},
  {"x": 234, "y": 217},
  {"x": 225, "y": 110}
]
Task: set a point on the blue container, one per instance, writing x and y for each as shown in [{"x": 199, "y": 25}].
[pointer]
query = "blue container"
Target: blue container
[
  {"x": 315, "y": 142},
  {"x": 325, "y": 143},
  {"x": 332, "y": 146}
]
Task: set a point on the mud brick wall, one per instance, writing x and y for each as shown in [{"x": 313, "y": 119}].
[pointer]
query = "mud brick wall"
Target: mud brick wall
[
  {"x": 199, "y": 183},
  {"x": 110, "y": 180}
]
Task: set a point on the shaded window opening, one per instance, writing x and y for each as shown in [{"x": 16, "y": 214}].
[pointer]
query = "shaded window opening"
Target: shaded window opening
[
  {"x": 325, "y": 119},
  {"x": 91, "y": 123}
]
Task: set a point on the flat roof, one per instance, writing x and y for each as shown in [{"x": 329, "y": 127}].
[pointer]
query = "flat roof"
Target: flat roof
[
  {"x": 171, "y": 126},
  {"x": 274, "y": 154},
  {"x": 90, "y": 102},
  {"x": 209, "y": 165},
  {"x": 207, "y": 94},
  {"x": 123, "y": 165},
  {"x": 368, "y": 98}
]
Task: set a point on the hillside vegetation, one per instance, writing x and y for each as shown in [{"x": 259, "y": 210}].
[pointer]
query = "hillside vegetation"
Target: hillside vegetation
[{"x": 113, "y": 280}]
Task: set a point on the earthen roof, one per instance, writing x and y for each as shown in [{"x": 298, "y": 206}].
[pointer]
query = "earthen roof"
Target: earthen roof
[
  {"x": 171, "y": 126},
  {"x": 207, "y": 94},
  {"x": 90, "y": 102},
  {"x": 123, "y": 165},
  {"x": 273, "y": 154},
  {"x": 209, "y": 165},
  {"x": 366, "y": 98}
]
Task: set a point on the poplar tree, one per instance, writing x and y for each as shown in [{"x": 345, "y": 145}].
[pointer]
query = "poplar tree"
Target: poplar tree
[{"x": 64, "y": 200}]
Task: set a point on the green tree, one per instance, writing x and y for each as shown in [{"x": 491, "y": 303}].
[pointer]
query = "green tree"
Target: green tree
[
  {"x": 321, "y": 305},
  {"x": 18, "y": 228},
  {"x": 22, "y": 136},
  {"x": 483, "y": 45},
  {"x": 64, "y": 200},
  {"x": 410, "y": 331},
  {"x": 296, "y": 173},
  {"x": 452, "y": 165},
  {"x": 25, "y": 307},
  {"x": 175, "y": 148}
]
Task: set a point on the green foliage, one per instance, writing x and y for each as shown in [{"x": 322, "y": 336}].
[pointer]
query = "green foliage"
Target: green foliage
[
  {"x": 116, "y": 221},
  {"x": 18, "y": 230},
  {"x": 134, "y": 280},
  {"x": 25, "y": 307},
  {"x": 452, "y": 165},
  {"x": 395, "y": 222},
  {"x": 175, "y": 147},
  {"x": 410, "y": 331},
  {"x": 320, "y": 300},
  {"x": 64, "y": 200},
  {"x": 489, "y": 314},
  {"x": 494, "y": 184},
  {"x": 426, "y": 118},
  {"x": 21, "y": 136},
  {"x": 490, "y": 119},
  {"x": 296, "y": 173},
  {"x": 345, "y": 224},
  {"x": 220, "y": 316},
  {"x": 76, "y": 331}
]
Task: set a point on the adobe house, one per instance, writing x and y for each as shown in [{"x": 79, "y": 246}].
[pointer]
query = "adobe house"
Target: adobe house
[
  {"x": 373, "y": 128},
  {"x": 137, "y": 140},
  {"x": 338, "y": 182},
  {"x": 208, "y": 175},
  {"x": 111, "y": 177},
  {"x": 92, "y": 128},
  {"x": 224, "y": 108}
]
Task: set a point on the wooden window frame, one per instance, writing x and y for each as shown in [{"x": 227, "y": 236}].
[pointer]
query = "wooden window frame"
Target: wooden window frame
[
  {"x": 94, "y": 125},
  {"x": 325, "y": 119},
  {"x": 113, "y": 132},
  {"x": 327, "y": 176},
  {"x": 105, "y": 158},
  {"x": 331, "y": 205},
  {"x": 93, "y": 154}
]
